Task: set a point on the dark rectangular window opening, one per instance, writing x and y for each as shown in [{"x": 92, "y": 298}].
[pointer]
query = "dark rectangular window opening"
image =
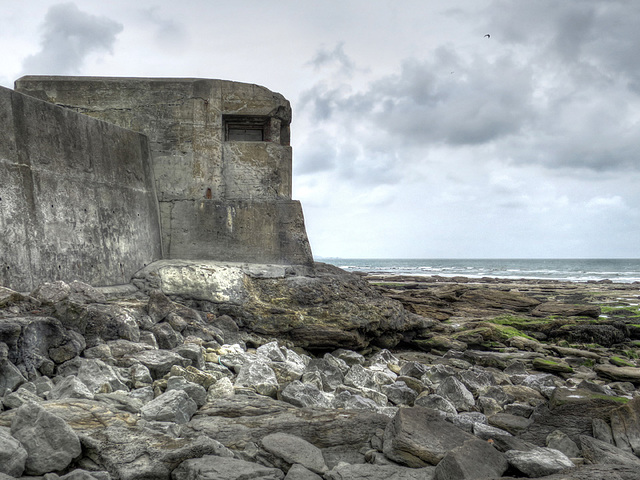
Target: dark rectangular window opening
[{"x": 246, "y": 128}]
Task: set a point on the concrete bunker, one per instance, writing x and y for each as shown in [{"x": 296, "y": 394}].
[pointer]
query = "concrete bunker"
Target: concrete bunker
[{"x": 221, "y": 159}]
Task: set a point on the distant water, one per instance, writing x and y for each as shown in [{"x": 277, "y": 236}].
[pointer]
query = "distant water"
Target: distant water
[{"x": 575, "y": 270}]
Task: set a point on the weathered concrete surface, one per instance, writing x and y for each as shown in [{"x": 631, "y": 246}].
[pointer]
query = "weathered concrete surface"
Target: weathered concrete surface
[
  {"x": 77, "y": 199},
  {"x": 220, "y": 199}
]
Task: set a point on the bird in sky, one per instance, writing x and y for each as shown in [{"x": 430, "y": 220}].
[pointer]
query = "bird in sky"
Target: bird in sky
[{"x": 488, "y": 36}]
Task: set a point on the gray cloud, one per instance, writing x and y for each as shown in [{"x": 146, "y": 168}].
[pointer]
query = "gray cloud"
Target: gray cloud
[
  {"x": 169, "y": 33},
  {"x": 337, "y": 56},
  {"x": 69, "y": 35}
]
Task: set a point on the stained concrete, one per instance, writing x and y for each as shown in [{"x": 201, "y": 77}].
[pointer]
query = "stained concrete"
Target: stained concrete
[
  {"x": 77, "y": 197},
  {"x": 219, "y": 199}
]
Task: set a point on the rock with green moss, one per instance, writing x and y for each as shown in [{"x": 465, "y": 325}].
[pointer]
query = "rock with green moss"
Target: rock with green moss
[{"x": 551, "y": 365}]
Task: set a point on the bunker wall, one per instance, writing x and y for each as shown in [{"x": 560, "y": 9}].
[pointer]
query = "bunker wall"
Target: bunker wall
[
  {"x": 217, "y": 147},
  {"x": 77, "y": 198}
]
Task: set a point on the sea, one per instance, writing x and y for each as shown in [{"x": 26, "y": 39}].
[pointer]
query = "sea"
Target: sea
[{"x": 620, "y": 270}]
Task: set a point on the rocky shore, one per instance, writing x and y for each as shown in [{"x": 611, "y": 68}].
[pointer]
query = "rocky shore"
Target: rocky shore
[{"x": 210, "y": 371}]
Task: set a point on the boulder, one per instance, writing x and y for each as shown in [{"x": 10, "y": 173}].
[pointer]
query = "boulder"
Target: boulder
[
  {"x": 472, "y": 460},
  {"x": 258, "y": 376},
  {"x": 210, "y": 467},
  {"x": 242, "y": 419},
  {"x": 399, "y": 393},
  {"x": 290, "y": 449},
  {"x": 513, "y": 424},
  {"x": 172, "y": 406},
  {"x": 558, "y": 440},
  {"x": 599, "y": 452},
  {"x": 132, "y": 453},
  {"x": 572, "y": 411},
  {"x": 196, "y": 392},
  {"x": 159, "y": 362},
  {"x": 346, "y": 471},
  {"x": 70, "y": 387},
  {"x": 10, "y": 377},
  {"x": 625, "y": 426},
  {"x": 417, "y": 437},
  {"x": 619, "y": 374},
  {"x": 454, "y": 390},
  {"x": 299, "y": 472},
  {"x": 50, "y": 443},
  {"x": 13, "y": 456},
  {"x": 304, "y": 395},
  {"x": 539, "y": 461},
  {"x": 330, "y": 374},
  {"x": 435, "y": 402}
]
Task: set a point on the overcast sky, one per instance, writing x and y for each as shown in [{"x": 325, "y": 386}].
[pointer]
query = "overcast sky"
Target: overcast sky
[{"x": 414, "y": 133}]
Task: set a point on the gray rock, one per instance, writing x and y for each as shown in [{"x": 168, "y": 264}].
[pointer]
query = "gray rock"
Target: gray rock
[
  {"x": 330, "y": 374},
  {"x": 349, "y": 357},
  {"x": 100, "y": 377},
  {"x": 197, "y": 392},
  {"x": 489, "y": 406},
  {"x": 539, "y": 461},
  {"x": 80, "y": 474},
  {"x": 519, "y": 409},
  {"x": 70, "y": 387},
  {"x": 221, "y": 389},
  {"x": 144, "y": 394},
  {"x": 513, "y": 424},
  {"x": 51, "y": 293},
  {"x": 379, "y": 472},
  {"x": 378, "y": 398},
  {"x": 291, "y": 449},
  {"x": 348, "y": 401},
  {"x": 305, "y": 395},
  {"x": 435, "y": 402},
  {"x": 258, "y": 376},
  {"x": 399, "y": 393},
  {"x": 558, "y": 440},
  {"x": 193, "y": 352},
  {"x": 471, "y": 460},
  {"x": 272, "y": 351},
  {"x": 466, "y": 421},
  {"x": 417, "y": 437},
  {"x": 625, "y": 426},
  {"x": 476, "y": 381},
  {"x": 10, "y": 377},
  {"x": 220, "y": 468},
  {"x": 159, "y": 362},
  {"x": 50, "y": 443},
  {"x": 599, "y": 452},
  {"x": 133, "y": 453},
  {"x": 140, "y": 375},
  {"x": 454, "y": 390},
  {"x": 437, "y": 373},
  {"x": 13, "y": 456},
  {"x": 413, "y": 369},
  {"x": 172, "y": 406},
  {"x": 298, "y": 472},
  {"x": 20, "y": 397},
  {"x": 242, "y": 419},
  {"x": 487, "y": 432},
  {"x": 602, "y": 430},
  {"x": 121, "y": 401},
  {"x": 166, "y": 336},
  {"x": 569, "y": 410}
]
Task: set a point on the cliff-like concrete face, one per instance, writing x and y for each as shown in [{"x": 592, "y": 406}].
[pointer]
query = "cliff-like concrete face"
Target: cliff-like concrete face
[
  {"x": 77, "y": 198},
  {"x": 221, "y": 157}
]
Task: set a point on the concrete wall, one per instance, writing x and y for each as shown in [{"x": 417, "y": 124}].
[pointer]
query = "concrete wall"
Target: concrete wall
[
  {"x": 219, "y": 199},
  {"x": 77, "y": 199}
]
